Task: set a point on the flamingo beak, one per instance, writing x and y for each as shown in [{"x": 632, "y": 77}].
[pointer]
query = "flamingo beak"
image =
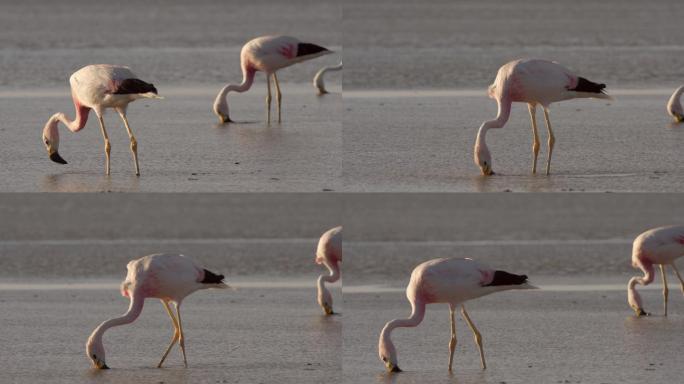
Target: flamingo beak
[
  {"x": 225, "y": 119},
  {"x": 54, "y": 156},
  {"x": 487, "y": 171},
  {"x": 640, "y": 312},
  {"x": 393, "y": 368},
  {"x": 101, "y": 365},
  {"x": 328, "y": 310}
]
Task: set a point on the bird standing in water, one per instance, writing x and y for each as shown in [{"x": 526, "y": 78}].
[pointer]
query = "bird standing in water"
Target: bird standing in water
[
  {"x": 329, "y": 253},
  {"x": 531, "y": 81},
  {"x": 267, "y": 54},
  {"x": 453, "y": 282},
  {"x": 660, "y": 246},
  {"x": 99, "y": 87},
  {"x": 167, "y": 277}
]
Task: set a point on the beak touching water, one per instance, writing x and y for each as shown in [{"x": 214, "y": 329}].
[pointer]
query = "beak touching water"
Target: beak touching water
[{"x": 54, "y": 156}]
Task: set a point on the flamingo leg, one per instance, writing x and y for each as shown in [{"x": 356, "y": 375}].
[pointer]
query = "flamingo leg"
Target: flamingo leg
[
  {"x": 181, "y": 340},
  {"x": 535, "y": 133},
  {"x": 552, "y": 139},
  {"x": 108, "y": 146},
  {"x": 678, "y": 276},
  {"x": 268, "y": 98},
  {"x": 452, "y": 343},
  {"x": 665, "y": 289},
  {"x": 176, "y": 332},
  {"x": 278, "y": 94},
  {"x": 476, "y": 335},
  {"x": 134, "y": 143}
]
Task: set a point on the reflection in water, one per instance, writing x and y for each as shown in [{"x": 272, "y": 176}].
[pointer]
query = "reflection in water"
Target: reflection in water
[{"x": 73, "y": 182}]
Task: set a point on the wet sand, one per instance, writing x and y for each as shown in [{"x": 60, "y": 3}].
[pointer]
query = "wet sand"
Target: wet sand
[
  {"x": 248, "y": 335},
  {"x": 403, "y": 141},
  {"x": 181, "y": 146}
]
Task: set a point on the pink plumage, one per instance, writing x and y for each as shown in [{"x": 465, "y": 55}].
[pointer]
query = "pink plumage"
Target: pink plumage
[
  {"x": 167, "y": 277},
  {"x": 453, "y": 282},
  {"x": 329, "y": 254},
  {"x": 531, "y": 81},
  {"x": 661, "y": 246},
  {"x": 267, "y": 54}
]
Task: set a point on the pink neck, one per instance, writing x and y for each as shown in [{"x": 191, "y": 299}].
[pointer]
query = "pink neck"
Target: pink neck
[
  {"x": 134, "y": 310},
  {"x": 81, "y": 117},
  {"x": 247, "y": 80},
  {"x": 417, "y": 314},
  {"x": 334, "y": 273},
  {"x": 501, "y": 119}
]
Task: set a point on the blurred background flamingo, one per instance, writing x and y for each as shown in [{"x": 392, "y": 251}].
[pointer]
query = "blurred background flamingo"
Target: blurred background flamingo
[
  {"x": 329, "y": 253},
  {"x": 99, "y": 87},
  {"x": 674, "y": 106},
  {"x": 660, "y": 246},
  {"x": 267, "y": 54},
  {"x": 318, "y": 79},
  {"x": 531, "y": 81},
  {"x": 167, "y": 277},
  {"x": 450, "y": 281}
]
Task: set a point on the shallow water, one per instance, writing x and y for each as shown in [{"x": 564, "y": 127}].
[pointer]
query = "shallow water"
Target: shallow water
[
  {"x": 446, "y": 44},
  {"x": 403, "y": 142},
  {"x": 181, "y": 147}
]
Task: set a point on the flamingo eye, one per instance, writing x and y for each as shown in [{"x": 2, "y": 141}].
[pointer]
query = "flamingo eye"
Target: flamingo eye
[
  {"x": 384, "y": 359},
  {"x": 94, "y": 356}
]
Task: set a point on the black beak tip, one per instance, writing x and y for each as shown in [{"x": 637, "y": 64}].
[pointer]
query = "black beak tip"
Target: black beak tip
[
  {"x": 57, "y": 158},
  {"x": 396, "y": 369},
  {"x": 104, "y": 366}
]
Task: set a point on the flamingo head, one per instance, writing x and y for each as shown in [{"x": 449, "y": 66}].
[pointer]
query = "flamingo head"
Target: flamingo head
[
  {"x": 325, "y": 301},
  {"x": 482, "y": 158},
  {"x": 96, "y": 353},
  {"x": 221, "y": 109},
  {"x": 51, "y": 141},
  {"x": 634, "y": 299},
  {"x": 387, "y": 353}
]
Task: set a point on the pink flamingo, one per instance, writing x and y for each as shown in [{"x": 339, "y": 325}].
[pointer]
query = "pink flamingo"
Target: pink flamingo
[
  {"x": 169, "y": 278},
  {"x": 674, "y": 107},
  {"x": 267, "y": 54},
  {"x": 531, "y": 81},
  {"x": 99, "y": 87},
  {"x": 329, "y": 253},
  {"x": 451, "y": 281},
  {"x": 318, "y": 78},
  {"x": 660, "y": 246}
]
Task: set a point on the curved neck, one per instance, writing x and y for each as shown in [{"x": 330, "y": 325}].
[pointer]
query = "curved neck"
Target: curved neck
[
  {"x": 330, "y": 278},
  {"x": 133, "y": 312},
  {"x": 79, "y": 122},
  {"x": 417, "y": 314},
  {"x": 247, "y": 80},
  {"x": 501, "y": 118}
]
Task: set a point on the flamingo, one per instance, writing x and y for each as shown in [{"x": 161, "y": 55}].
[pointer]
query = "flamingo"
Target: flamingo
[
  {"x": 531, "y": 81},
  {"x": 267, "y": 54},
  {"x": 318, "y": 79},
  {"x": 329, "y": 253},
  {"x": 674, "y": 108},
  {"x": 167, "y": 277},
  {"x": 99, "y": 87},
  {"x": 660, "y": 246},
  {"x": 452, "y": 281}
]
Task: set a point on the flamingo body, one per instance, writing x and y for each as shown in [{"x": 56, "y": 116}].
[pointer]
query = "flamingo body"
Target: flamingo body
[
  {"x": 674, "y": 106},
  {"x": 98, "y": 87},
  {"x": 661, "y": 246},
  {"x": 267, "y": 54},
  {"x": 531, "y": 81},
  {"x": 318, "y": 81},
  {"x": 451, "y": 281},
  {"x": 329, "y": 254},
  {"x": 168, "y": 277}
]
